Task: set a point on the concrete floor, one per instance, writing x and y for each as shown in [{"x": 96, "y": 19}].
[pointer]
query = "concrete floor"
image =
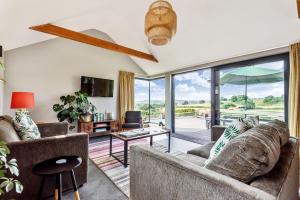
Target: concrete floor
[{"x": 99, "y": 187}]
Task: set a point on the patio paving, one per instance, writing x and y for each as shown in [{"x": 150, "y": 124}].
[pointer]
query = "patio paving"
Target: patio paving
[{"x": 192, "y": 129}]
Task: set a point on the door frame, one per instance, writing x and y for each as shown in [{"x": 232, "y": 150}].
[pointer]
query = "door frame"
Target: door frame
[{"x": 215, "y": 85}]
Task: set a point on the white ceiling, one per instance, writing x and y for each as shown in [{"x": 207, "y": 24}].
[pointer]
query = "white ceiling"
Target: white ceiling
[{"x": 208, "y": 30}]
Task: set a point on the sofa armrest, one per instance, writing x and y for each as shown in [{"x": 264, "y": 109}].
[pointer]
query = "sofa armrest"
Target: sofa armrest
[
  {"x": 156, "y": 175},
  {"x": 29, "y": 153},
  {"x": 217, "y": 131},
  {"x": 53, "y": 129}
]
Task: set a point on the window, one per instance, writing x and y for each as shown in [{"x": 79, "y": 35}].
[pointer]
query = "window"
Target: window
[
  {"x": 142, "y": 97},
  {"x": 255, "y": 88},
  {"x": 157, "y": 101},
  {"x": 192, "y": 101},
  {"x": 150, "y": 100}
]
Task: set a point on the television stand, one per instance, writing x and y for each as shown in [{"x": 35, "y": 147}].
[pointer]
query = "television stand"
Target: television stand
[{"x": 98, "y": 128}]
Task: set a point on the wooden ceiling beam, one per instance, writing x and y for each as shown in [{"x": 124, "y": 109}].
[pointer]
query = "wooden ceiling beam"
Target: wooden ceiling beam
[
  {"x": 80, "y": 37},
  {"x": 298, "y": 8}
]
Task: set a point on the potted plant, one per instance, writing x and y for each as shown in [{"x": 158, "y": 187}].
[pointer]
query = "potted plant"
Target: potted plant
[
  {"x": 11, "y": 166},
  {"x": 74, "y": 107},
  {"x": 85, "y": 107}
]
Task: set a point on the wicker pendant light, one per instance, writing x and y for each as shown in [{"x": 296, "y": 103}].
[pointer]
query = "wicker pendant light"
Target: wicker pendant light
[{"x": 160, "y": 23}]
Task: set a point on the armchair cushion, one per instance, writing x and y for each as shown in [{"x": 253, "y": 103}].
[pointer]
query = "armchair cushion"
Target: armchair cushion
[
  {"x": 7, "y": 130},
  {"x": 53, "y": 129},
  {"x": 131, "y": 125},
  {"x": 133, "y": 117}
]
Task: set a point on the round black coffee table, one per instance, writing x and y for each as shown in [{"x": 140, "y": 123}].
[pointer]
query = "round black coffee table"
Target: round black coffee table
[{"x": 56, "y": 166}]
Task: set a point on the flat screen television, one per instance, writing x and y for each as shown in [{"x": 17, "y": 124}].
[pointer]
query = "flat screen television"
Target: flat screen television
[{"x": 97, "y": 87}]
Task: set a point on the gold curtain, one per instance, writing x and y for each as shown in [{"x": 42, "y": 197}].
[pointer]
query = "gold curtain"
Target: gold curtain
[
  {"x": 126, "y": 94},
  {"x": 294, "y": 93}
]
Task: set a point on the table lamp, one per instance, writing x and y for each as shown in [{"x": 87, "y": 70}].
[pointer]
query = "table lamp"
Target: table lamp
[{"x": 22, "y": 101}]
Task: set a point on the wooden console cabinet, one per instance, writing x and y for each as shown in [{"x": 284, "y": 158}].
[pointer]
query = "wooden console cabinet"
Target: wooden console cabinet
[{"x": 98, "y": 128}]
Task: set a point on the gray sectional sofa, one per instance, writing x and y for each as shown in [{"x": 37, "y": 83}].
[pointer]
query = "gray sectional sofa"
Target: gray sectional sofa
[{"x": 158, "y": 176}]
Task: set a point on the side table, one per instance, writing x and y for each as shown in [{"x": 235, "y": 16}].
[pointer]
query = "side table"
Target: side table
[{"x": 56, "y": 166}]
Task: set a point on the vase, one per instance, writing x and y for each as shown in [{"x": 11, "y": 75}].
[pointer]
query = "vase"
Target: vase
[{"x": 85, "y": 118}]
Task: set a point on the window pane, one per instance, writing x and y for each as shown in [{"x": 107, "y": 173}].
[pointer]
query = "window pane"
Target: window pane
[
  {"x": 141, "y": 92},
  {"x": 157, "y": 101},
  {"x": 192, "y": 101},
  {"x": 256, "y": 90}
]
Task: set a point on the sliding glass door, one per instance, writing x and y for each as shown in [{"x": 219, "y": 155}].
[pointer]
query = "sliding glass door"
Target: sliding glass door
[
  {"x": 256, "y": 88},
  {"x": 192, "y": 101}
]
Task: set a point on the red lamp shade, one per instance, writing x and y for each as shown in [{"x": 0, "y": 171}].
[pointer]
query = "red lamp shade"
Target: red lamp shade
[{"x": 20, "y": 100}]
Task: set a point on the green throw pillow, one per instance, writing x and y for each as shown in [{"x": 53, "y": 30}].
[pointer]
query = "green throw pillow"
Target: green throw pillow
[
  {"x": 25, "y": 126},
  {"x": 234, "y": 129}
]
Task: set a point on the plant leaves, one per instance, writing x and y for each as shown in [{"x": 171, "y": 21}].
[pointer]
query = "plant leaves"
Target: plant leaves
[
  {"x": 19, "y": 186},
  {"x": 4, "y": 183},
  {"x": 9, "y": 186},
  {"x": 13, "y": 170},
  {"x": 57, "y": 107}
]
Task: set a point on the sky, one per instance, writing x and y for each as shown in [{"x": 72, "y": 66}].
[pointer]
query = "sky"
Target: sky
[
  {"x": 195, "y": 86},
  {"x": 157, "y": 89}
]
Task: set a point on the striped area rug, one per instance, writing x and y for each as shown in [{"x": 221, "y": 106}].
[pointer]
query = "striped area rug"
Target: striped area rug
[{"x": 114, "y": 170}]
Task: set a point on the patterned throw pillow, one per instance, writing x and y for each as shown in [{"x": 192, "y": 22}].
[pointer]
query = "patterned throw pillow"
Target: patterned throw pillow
[
  {"x": 234, "y": 129},
  {"x": 250, "y": 120},
  {"x": 25, "y": 126}
]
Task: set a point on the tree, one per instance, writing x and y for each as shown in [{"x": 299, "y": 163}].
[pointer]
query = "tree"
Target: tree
[
  {"x": 224, "y": 99},
  {"x": 250, "y": 104},
  {"x": 239, "y": 98},
  {"x": 228, "y": 105},
  {"x": 185, "y": 103},
  {"x": 234, "y": 99},
  {"x": 271, "y": 99}
]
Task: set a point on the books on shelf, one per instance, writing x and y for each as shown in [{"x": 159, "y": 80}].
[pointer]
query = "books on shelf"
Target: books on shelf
[
  {"x": 100, "y": 125},
  {"x": 97, "y": 130}
]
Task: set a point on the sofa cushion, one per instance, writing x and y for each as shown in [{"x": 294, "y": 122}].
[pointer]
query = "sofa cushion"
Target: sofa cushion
[
  {"x": 282, "y": 130},
  {"x": 7, "y": 130},
  {"x": 26, "y": 127},
  {"x": 250, "y": 120},
  {"x": 202, "y": 151},
  {"x": 249, "y": 155},
  {"x": 234, "y": 129},
  {"x": 273, "y": 181}
]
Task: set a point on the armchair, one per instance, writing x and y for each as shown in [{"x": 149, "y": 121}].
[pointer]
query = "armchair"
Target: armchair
[
  {"x": 55, "y": 141},
  {"x": 133, "y": 119}
]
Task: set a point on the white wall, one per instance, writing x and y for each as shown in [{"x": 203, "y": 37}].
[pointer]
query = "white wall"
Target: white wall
[
  {"x": 1, "y": 96},
  {"x": 53, "y": 68},
  {"x": 1, "y": 84}
]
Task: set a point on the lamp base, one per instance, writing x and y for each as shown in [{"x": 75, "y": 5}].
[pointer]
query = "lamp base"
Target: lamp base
[{"x": 22, "y": 111}]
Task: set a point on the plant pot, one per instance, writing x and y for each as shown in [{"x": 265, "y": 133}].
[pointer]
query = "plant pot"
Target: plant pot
[{"x": 85, "y": 118}]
